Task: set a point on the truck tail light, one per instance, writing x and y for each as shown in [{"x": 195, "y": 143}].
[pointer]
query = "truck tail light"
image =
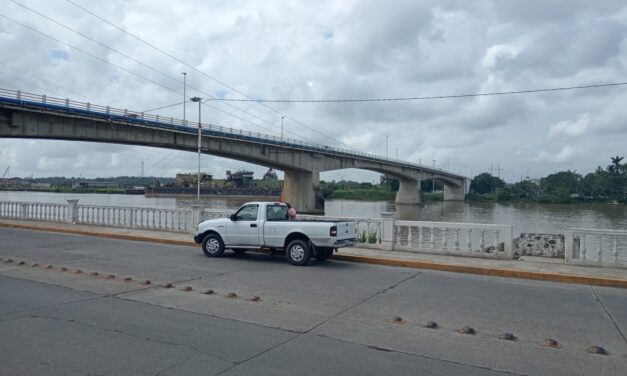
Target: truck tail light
[{"x": 333, "y": 231}]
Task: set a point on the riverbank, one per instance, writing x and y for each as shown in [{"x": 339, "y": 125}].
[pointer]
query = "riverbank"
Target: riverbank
[{"x": 377, "y": 195}]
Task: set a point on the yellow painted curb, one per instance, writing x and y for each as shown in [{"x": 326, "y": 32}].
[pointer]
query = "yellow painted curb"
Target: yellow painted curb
[
  {"x": 508, "y": 273},
  {"x": 455, "y": 268}
]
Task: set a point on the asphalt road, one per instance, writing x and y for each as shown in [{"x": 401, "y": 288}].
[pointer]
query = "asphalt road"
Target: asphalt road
[{"x": 326, "y": 318}]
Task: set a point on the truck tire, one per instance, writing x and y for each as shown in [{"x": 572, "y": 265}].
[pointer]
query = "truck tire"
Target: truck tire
[
  {"x": 212, "y": 245},
  {"x": 298, "y": 252},
  {"x": 322, "y": 254}
]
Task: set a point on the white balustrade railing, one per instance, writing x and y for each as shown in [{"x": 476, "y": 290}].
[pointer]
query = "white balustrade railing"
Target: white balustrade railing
[
  {"x": 177, "y": 220},
  {"x": 457, "y": 239},
  {"x": 596, "y": 247},
  {"x": 33, "y": 211}
]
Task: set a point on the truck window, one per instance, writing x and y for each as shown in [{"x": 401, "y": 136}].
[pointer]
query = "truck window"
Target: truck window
[
  {"x": 247, "y": 213},
  {"x": 276, "y": 213}
]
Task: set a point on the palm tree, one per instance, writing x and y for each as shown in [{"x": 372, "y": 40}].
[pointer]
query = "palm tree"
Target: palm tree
[{"x": 616, "y": 162}]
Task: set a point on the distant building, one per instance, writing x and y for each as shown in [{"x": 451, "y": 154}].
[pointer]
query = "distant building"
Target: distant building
[
  {"x": 240, "y": 179},
  {"x": 270, "y": 175},
  {"x": 82, "y": 184},
  {"x": 190, "y": 179}
]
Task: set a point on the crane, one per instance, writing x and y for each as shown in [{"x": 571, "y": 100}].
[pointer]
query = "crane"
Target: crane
[{"x": 6, "y": 172}]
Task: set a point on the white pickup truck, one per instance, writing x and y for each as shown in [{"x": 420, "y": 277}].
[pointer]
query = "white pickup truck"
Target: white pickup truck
[{"x": 266, "y": 225}]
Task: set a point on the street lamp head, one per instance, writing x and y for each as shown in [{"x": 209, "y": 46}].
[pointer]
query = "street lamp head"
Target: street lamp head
[{"x": 195, "y": 99}]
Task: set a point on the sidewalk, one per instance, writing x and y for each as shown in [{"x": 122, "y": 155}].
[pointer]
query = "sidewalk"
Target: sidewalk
[{"x": 535, "y": 268}]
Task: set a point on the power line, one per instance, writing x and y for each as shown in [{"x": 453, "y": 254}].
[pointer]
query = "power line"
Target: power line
[
  {"x": 163, "y": 107},
  {"x": 86, "y": 53},
  {"x": 204, "y": 74},
  {"x": 398, "y": 99},
  {"x": 121, "y": 68},
  {"x": 46, "y": 81},
  {"x": 154, "y": 70}
]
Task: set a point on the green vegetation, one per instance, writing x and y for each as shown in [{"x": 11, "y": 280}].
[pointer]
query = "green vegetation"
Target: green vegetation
[
  {"x": 368, "y": 237},
  {"x": 373, "y": 194},
  {"x": 602, "y": 185}
]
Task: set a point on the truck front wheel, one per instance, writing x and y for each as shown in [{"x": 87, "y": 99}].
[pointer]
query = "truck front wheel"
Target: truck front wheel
[
  {"x": 212, "y": 246},
  {"x": 298, "y": 252}
]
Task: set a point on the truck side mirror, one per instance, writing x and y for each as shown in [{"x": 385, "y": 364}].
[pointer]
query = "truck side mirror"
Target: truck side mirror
[{"x": 233, "y": 217}]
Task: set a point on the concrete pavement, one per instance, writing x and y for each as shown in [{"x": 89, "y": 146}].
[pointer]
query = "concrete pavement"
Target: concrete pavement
[{"x": 329, "y": 318}]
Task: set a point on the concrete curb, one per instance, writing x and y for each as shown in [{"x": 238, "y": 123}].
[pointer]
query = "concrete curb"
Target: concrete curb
[{"x": 455, "y": 268}]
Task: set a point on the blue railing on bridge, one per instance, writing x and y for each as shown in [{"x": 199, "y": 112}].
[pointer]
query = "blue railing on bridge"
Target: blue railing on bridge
[{"x": 108, "y": 113}]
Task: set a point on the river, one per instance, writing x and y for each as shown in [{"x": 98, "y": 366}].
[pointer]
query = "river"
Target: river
[{"x": 525, "y": 217}]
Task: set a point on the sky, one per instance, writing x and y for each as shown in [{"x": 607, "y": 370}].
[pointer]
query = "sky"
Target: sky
[{"x": 331, "y": 50}]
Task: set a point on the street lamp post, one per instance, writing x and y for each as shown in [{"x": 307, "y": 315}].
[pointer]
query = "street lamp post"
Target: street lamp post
[
  {"x": 386, "y": 145},
  {"x": 282, "y": 117},
  {"x": 199, "y": 100},
  {"x": 184, "y": 95}
]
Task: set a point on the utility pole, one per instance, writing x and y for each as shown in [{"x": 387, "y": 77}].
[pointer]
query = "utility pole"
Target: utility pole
[
  {"x": 184, "y": 95},
  {"x": 199, "y": 100},
  {"x": 433, "y": 180},
  {"x": 386, "y": 145}
]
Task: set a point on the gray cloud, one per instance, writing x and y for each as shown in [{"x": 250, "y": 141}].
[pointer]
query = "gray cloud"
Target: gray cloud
[{"x": 330, "y": 49}]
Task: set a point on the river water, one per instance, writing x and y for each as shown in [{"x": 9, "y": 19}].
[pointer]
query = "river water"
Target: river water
[{"x": 525, "y": 217}]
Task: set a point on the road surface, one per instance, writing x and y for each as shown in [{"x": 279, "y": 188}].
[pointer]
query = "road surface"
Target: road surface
[{"x": 267, "y": 317}]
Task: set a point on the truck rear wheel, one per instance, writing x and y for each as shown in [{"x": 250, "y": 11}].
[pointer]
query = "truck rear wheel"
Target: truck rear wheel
[
  {"x": 212, "y": 245},
  {"x": 298, "y": 252}
]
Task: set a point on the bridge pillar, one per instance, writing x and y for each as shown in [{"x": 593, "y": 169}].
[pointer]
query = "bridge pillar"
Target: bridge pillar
[
  {"x": 408, "y": 193},
  {"x": 302, "y": 190},
  {"x": 454, "y": 193}
]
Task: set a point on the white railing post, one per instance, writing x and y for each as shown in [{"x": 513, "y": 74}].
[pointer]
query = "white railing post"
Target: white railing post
[
  {"x": 23, "y": 211},
  {"x": 72, "y": 211},
  {"x": 387, "y": 231}
]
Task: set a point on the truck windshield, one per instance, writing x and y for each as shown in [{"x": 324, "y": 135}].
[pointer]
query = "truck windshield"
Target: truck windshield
[
  {"x": 247, "y": 213},
  {"x": 276, "y": 213}
]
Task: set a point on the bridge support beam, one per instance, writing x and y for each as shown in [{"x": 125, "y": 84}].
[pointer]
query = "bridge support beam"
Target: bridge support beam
[
  {"x": 408, "y": 193},
  {"x": 454, "y": 193},
  {"x": 302, "y": 190}
]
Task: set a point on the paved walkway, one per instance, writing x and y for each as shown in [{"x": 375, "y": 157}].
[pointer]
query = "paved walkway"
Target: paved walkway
[{"x": 537, "y": 268}]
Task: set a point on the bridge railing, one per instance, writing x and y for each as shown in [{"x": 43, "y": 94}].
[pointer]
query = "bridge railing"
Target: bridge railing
[
  {"x": 596, "y": 247},
  {"x": 138, "y": 117}
]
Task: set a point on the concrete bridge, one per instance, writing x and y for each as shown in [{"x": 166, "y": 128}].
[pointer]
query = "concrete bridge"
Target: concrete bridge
[{"x": 24, "y": 115}]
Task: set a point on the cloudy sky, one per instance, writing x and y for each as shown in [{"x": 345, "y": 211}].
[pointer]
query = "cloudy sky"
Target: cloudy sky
[{"x": 328, "y": 50}]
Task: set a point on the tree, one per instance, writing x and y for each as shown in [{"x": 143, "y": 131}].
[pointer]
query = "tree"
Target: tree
[
  {"x": 616, "y": 162},
  {"x": 486, "y": 183},
  {"x": 388, "y": 183},
  {"x": 560, "y": 186}
]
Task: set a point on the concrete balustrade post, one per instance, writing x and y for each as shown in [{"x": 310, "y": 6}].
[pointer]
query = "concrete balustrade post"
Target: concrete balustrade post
[
  {"x": 387, "y": 231},
  {"x": 196, "y": 213},
  {"x": 72, "y": 211}
]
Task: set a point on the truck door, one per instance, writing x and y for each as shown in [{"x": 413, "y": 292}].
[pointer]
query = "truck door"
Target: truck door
[{"x": 243, "y": 228}]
